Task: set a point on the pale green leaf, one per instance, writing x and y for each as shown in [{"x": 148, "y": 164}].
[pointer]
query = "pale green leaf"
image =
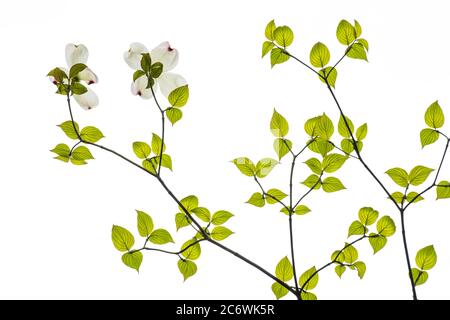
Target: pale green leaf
[
  {"x": 339, "y": 270},
  {"x": 132, "y": 259},
  {"x": 325, "y": 127},
  {"x": 414, "y": 195},
  {"x": 311, "y": 126},
  {"x": 418, "y": 175},
  {"x": 328, "y": 75},
  {"x": 358, "y": 29},
  {"x": 357, "y": 51},
  {"x": 321, "y": 146},
  {"x": 160, "y": 236},
  {"x": 202, "y": 213},
  {"x": 377, "y": 242},
  {"x": 315, "y": 165},
  {"x": 310, "y": 275},
  {"x": 122, "y": 239},
  {"x": 144, "y": 223},
  {"x": 356, "y": 228},
  {"x": 189, "y": 203},
  {"x": 91, "y": 134},
  {"x": 361, "y": 267},
  {"x": 284, "y": 270},
  {"x": 338, "y": 256},
  {"x": 345, "y": 32},
  {"x": 174, "y": 115},
  {"x": 283, "y": 36},
  {"x": 343, "y": 129},
  {"x": 266, "y": 47},
  {"x": 278, "y": 125},
  {"x": 187, "y": 268},
  {"x": 265, "y": 166},
  {"x": 245, "y": 166},
  {"x": 308, "y": 296},
  {"x": 181, "y": 220},
  {"x": 69, "y": 130},
  {"x": 365, "y": 43},
  {"x": 428, "y": 136},
  {"x": 81, "y": 153},
  {"x": 434, "y": 116},
  {"x": 179, "y": 97},
  {"x": 361, "y": 132},
  {"x": 367, "y": 216},
  {"x": 347, "y": 146},
  {"x": 333, "y": 162},
  {"x": 419, "y": 276},
  {"x": 220, "y": 217},
  {"x": 141, "y": 149},
  {"x": 220, "y": 233},
  {"x": 282, "y": 147},
  {"x": 399, "y": 176},
  {"x": 386, "y": 226},
  {"x": 275, "y": 195},
  {"x": 278, "y": 56},
  {"x": 270, "y": 28},
  {"x": 319, "y": 55},
  {"x": 312, "y": 182},
  {"x": 332, "y": 184},
  {"x": 398, "y": 196},
  {"x": 193, "y": 250},
  {"x": 351, "y": 254},
  {"x": 301, "y": 209},
  {"x": 443, "y": 190},
  {"x": 62, "y": 150},
  {"x": 426, "y": 258},
  {"x": 257, "y": 200},
  {"x": 156, "y": 144},
  {"x": 278, "y": 290}
]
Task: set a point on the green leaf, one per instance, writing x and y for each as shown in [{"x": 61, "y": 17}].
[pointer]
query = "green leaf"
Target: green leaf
[
  {"x": 81, "y": 153},
  {"x": 62, "y": 150},
  {"x": 156, "y": 69},
  {"x": 257, "y": 200},
  {"x": 245, "y": 166},
  {"x": 332, "y": 184},
  {"x": 132, "y": 259},
  {"x": 312, "y": 182},
  {"x": 275, "y": 194},
  {"x": 434, "y": 116},
  {"x": 266, "y": 47},
  {"x": 221, "y": 233},
  {"x": 278, "y": 290},
  {"x": 419, "y": 276},
  {"x": 181, "y": 220},
  {"x": 311, "y": 283},
  {"x": 358, "y": 29},
  {"x": 278, "y": 56},
  {"x": 137, "y": 74},
  {"x": 76, "y": 69},
  {"x": 413, "y": 195},
  {"x": 339, "y": 270},
  {"x": 122, "y": 239},
  {"x": 146, "y": 62},
  {"x": 270, "y": 28},
  {"x": 150, "y": 165},
  {"x": 141, "y": 149},
  {"x": 419, "y": 174},
  {"x": 321, "y": 146},
  {"x": 58, "y": 74},
  {"x": 398, "y": 196},
  {"x": 144, "y": 223},
  {"x": 345, "y": 32},
  {"x": 361, "y": 132},
  {"x": 426, "y": 258},
  {"x": 377, "y": 242},
  {"x": 311, "y": 126},
  {"x": 308, "y": 296},
  {"x": 315, "y": 165},
  {"x": 443, "y": 190},
  {"x": 202, "y": 213},
  {"x": 194, "y": 250},
  {"x": 365, "y": 43},
  {"x": 278, "y": 125},
  {"x": 220, "y": 217},
  {"x": 361, "y": 267},
  {"x": 325, "y": 127},
  {"x": 160, "y": 236},
  {"x": 265, "y": 166},
  {"x": 166, "y": 161},
  {"x": 179, "y": 97},
  {"x": 68, "y": 128},
  {"x": 283, "y": 36},
  {"x": 91, "y": 134},
  {"x": 357, "y": 51},
  {"x": 338, "y": 256},
  {"x": 284, "y": 270},
  {"x": 156, "y": 144},
  {"x": 77, "y": 88},
  {"x": 187, "y": 268},
  {"x": 174, "y": 115},
  {"x": 301, "y": 210},
  {"x": 319, "y": 55},
  {"x": 190, "y": 203},
  {"x": 356, "y": 228},
  {"x": 333, "y": 162},
  {"x": 386, "y": 226},
  {"x": 347, "y": 146},
  {"x": 399, "y": 176},
  {"x": 77, "y": 162},
  {"x": 428, "y": 136},
  {"x": 342, "y": 127},
  {"x": 367, "y": 216},
  {"x": 282, "y": 147},
  {"x": 351, "y": 254}
]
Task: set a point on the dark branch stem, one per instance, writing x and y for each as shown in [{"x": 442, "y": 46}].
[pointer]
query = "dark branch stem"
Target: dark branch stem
[
  {"x": 163, "y": 125},
  {"x": 265, "y": 194},
  {"x": 169, "y": 252},
  {"x": 405, "y": 246},
  {"x": 290, "y": 211}
]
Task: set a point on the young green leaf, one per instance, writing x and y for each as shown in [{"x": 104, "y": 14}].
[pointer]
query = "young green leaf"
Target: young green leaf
[
  {"x": 308, "y": 275},
  {"x": 193, "y": 250},
  {"x": 377, "y": 242},
  {"x": 351, "y": 254},
  {"x": 190, "y": 203},
  {"x": 141, "y": 149},
  {"x": 398, "y": 196},
  {"x": 144, "y": 223},
  {"x": 428, "y": 136},
  {"x": 315, "y": 165},
  {"x": 342, "y": 127},
  {"x": 426, "y": 258},
  {"x": 283, "y": 36},
  {"x": 132, "y": 259},
  {"x": 413, "y": 195},
  {"x": 270, "y": 28},
  {"x": 76, "y": 69},
  {"x": 58, "y": 74},
  {"x": 181, "y": 220},
  {"x": 358, "y": 29},
  {"x": 220, "y": 217},
  {"x": 357, "y": 51},
  {"x": 174, "y": 115},
  {"x": 122, "y": 239},
  {"x": 166, "y": 161},
  {"x": 434, "y": 116},
  {"x": 333, "y": 162},
  {"x": 278, "y": 290},
  {"x": 284, "y": 270},
  {"x": 321, "y": 146},
  {"x": 367, "y": 216},
  {"x": 179, "y": 97},
  {"x": 220, "y": 233},
  {"x": 157, "y": 144},
  {"x": 146, "y": 62},
  {"x": 69, "y": 130},
  {"x": 419, "y": 276},
  {"x": 81, "y": 153},
  {"x": 399, "y": 176},
  {"x": 278, "y": 125},
  {"x": 187, "y": 268},
  {"x": 160, "y": 236},
  {"x": 202, "y": 213},
  {"x": 275, "y": 195},
  {"x": 328, "y": 75},
  {"x": 338, "y": 256},
  {"x": 245, "y": 166},
  {"x": 443, "y": 190},
  {"x": 137, "y": 74},
  {"x": 62, "y": 150},
  {"x": 301, "y": 210},
  {"x": 319, "y": 55},
  {"x": 282, "y": 147},
  {"x": 257, "y": 200},
  {"x": 308, "y": 296},
  {"x": 386, "y": 226},
  {"x": 345, "y": 32},
  {"x": 419, "y": 174},
  {"x": 78, "y": 89},
  {"x": 266, "y": 47},
  {"x": 313, "y": 182},
  {"x": 356, "y": 228},
  {"x": 278, "y": 56},
  {"x": 365, "y": 43},
  {"x": 339, "y": 269},
  {"x": 332, "y": 184},
  {"x": 361, "y": 132},
  {"x": 361, "y": 268},
  {"x": 325, "y": 127},
  {"x": 150, "y": 165},
  {"x": 347, "y": 146},
  {"x": 265, "y": 166},
  {"x": 311, "y": 126},
  {"x": 156, "y": 69}
]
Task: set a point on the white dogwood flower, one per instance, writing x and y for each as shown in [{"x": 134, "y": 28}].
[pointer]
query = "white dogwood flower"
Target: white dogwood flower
[{"x": 167, "y": 81}]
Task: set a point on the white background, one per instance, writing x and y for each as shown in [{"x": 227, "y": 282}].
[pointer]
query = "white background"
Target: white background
[{"x": 55, "y": 218}]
